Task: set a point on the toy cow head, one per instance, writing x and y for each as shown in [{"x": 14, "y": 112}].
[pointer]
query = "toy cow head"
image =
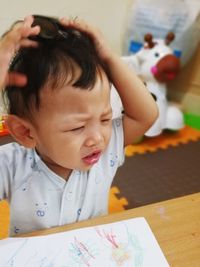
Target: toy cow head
[{"x": 156, "y": 59}]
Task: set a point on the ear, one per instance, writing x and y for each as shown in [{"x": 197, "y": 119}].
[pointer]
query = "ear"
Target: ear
[{"x": 20, "y": 129}]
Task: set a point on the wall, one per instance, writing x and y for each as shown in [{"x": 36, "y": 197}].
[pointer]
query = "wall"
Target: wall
[
  {"x": 186, "y": 88},
  {"x": 109, "y": 15}
]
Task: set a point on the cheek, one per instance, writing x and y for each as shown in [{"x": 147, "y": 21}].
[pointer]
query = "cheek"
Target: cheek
[
  {"x": 65, "y": 143},
  {"x": 107, "y": 133},
  {"x": 63, "y": 150}
]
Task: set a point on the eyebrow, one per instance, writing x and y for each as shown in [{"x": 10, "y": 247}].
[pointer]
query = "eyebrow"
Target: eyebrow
[
  {"x": 107, "y": 112},
  {"x": 77, "y": 118},
  {"x": 82, "y": 117}
]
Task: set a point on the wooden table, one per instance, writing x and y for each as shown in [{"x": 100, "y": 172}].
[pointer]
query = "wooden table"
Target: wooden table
[{"x": 175, "y": 224}]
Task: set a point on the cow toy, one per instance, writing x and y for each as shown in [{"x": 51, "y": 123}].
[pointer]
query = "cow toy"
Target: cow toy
[{"x": 156, "y": 64}]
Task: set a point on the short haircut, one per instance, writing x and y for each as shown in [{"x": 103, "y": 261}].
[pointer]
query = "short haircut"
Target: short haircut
[{"x": 52, "y": 63}]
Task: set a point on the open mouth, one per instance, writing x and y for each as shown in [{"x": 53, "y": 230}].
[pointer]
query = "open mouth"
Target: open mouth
[{"x": 92, "y": 158}]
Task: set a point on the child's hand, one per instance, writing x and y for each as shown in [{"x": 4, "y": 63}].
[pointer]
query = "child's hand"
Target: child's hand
[
  {"x": 10, "y": 43},
  {"x": 102, "y": 48}
]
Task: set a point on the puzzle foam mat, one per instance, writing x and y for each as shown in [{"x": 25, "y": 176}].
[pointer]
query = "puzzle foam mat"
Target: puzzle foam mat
[{"x": 161, "y": 168}]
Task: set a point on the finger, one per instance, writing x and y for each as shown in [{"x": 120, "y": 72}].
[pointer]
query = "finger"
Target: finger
[
  {"x": 17, "y": 79},
  {"x": 28, "y": 43},
  {"x": 22, "y": 29},
  {"x": 82, "y": 26},
  {"x": 77, "y": 23},
  {"x": 19, "y": 37},
  {"x": 27, "y": 30},
  {"x": 28, "y": 20}
]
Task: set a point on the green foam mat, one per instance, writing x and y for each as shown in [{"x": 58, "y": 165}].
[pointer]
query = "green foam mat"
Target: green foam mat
[{"x": 192, "y": 120}]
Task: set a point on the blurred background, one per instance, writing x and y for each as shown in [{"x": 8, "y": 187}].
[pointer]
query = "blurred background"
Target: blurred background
[{"x": 113, "y": 17}]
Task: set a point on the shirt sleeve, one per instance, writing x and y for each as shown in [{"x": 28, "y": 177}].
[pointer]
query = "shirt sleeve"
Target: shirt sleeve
[
  {"x": 5, "y": 171},
  {"x": 10, "y": 157},
  {"x": 117, "y": 140},
  {"x": 114, "y": 155}
]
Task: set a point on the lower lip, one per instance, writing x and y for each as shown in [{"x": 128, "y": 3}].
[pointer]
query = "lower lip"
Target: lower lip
[{"x": 90, "y": 160}]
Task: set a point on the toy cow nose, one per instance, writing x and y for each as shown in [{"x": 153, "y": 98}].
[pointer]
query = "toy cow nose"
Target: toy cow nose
[{"x": 167, "y": 68}]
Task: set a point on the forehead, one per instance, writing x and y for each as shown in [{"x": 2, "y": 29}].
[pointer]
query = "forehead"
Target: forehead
[{"x": 68, "y": 99}]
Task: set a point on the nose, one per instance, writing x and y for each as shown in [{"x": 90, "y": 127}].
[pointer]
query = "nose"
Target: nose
[
  {"x": 94, "y": 137},
  {"x": 167, "y": 68}
]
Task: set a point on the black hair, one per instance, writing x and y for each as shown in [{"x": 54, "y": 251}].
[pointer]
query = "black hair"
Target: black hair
[{"x": 52, "y": 61}]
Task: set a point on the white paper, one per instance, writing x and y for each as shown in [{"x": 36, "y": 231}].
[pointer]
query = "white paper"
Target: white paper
[{"x": 128, "y": 243}]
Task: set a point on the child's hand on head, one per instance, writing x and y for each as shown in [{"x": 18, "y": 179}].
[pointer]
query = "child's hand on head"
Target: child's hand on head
[
  {"x": 102, "y": 48},
  {"x": 10, "y": 43}
]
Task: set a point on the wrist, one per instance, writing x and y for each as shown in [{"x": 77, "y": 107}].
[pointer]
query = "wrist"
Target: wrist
[{"x": 111, "y": 59}]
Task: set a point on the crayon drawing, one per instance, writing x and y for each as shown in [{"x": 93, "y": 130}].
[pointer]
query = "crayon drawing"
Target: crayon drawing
[
  {"x": 122, "y": 251},
  {"x": 83, "y": 254},
  {"x": 129, "y": 243}
]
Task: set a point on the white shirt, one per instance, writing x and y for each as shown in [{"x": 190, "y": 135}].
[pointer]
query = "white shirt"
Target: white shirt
[{"x": 40, "y": 199}]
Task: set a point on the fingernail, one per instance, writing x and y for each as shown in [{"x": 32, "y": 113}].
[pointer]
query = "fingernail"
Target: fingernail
[{"x": 64, "y": 20}]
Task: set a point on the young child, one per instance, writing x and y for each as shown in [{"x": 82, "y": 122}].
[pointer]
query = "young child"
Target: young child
[{"x": 56, "y": 76}]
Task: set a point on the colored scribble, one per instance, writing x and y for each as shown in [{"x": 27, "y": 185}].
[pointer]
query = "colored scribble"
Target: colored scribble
[
  {"x": 120, "y": 255},
  {"x": 82, "y": 253},
  {"x": 11, "y": 260},
  {"x": 138, "y": 250},
  {"x": 121, "y": 252}
]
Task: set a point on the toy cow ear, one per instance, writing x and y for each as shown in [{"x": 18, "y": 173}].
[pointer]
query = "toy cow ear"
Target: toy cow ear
[
  {"x": 169, "y": 38},
  {"x": 148, "y": 38}
]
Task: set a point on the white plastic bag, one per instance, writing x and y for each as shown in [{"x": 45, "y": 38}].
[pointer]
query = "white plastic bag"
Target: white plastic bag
[{"x": 159, "y": 17}]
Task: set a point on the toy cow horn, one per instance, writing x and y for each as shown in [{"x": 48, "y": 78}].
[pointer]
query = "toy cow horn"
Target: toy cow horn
[
  {"x": 149, "y": 40},
  {"x": 169, "y": 38}
]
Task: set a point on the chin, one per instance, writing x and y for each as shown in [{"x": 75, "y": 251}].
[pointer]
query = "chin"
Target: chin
[{"x": 85, "y": 168}]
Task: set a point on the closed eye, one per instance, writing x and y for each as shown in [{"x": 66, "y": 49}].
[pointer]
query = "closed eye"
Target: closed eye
[
  {"x": 106, "y": 116},
  {"x": 105, "y": 121},
  {"x": 77, "y": 129}
]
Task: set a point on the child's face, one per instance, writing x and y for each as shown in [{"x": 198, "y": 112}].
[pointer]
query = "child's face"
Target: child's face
[{"x": 73, "y": 125}]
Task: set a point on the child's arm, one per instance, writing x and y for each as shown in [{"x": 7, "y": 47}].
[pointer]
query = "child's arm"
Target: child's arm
[
  {"x": 10, "y": 43},
  {"x": 140, "y": 109}
]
